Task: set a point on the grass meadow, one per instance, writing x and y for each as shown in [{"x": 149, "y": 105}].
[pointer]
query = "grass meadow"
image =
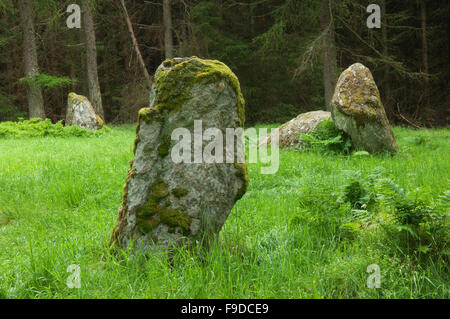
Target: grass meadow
[{"x": 59, "y": 199}]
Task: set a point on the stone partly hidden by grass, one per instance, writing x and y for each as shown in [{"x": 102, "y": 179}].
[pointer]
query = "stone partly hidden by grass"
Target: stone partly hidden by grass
[
  {"x": 166, "y": 202},
  {"x": 356, "y": 109},
  {"x": 289, "y": 132}
]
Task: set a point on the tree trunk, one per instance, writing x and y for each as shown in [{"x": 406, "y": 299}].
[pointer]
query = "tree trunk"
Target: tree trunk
[
  {"x": 252, "y": 20},
  {"x": 168, "y": 41},
  {"x": 95, "y": 95},
  {"x": 328, "y": 52},
  {"x": 386, "y": 82},
  {"x": 34, "y": 93},
  {"x": 423, "y": 22},
  {"x": 135, "y": 44}
]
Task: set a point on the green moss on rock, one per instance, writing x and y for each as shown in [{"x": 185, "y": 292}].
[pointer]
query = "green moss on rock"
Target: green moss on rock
[
  {"x": 100, "y": 121},
  {"x": 135, "y": 143},
  {"x": 179, "y": 192},
  {"x": 151, "y": 214},
  {"x": 177, "y": 76},
  {"x": 242, "y": 172},
  {"x": 159, "y": 191},
  {"x": 131, "y": 173},
  {"x": 360, "y": 97},
  {"x": 174, "y": 218},
  {"x": 148, "y": 224},
  {"x": 146, "y": 114},
  {"x": 164, "y": 147},
  {"x": 123, "y": 208}
]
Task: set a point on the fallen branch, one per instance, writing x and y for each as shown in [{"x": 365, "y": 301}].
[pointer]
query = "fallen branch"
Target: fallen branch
[
  {"x": 135, "y": 44},
  {"x": 408, "y": 121}
]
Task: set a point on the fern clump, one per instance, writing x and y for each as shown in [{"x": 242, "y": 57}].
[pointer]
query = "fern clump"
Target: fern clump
[
  {"x": 327, "y": 138},
  {"x": 360, "y": 192},
  {"x": 349, "y": 231},
  {"x": 36, "y": 127},
  {"x": 411, "y": 210},
  {"x": 353, "y": 193},
  {"x": 410, "y": 219}
]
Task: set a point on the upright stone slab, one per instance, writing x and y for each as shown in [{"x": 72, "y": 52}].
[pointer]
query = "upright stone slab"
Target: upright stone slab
[
  {"x": 356, "y": 109},
  {"x": 81, "y": 113},
  {"x": 166, "y": 202}
]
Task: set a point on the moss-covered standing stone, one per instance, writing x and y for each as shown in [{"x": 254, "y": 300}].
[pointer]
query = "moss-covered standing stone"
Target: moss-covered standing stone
[
  {"x": 81, "y": 113},
  {"x": 356, "y": 109},
  {"x": 165, "y": 202}
]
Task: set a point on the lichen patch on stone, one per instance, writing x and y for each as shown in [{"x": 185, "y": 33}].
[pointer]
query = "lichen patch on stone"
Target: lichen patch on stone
[
  {"x": 81, "y": 113},
  {"x": 357, "y": 110}
]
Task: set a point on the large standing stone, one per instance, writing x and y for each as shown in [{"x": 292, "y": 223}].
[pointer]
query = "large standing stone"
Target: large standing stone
[
  {"x": 289, "y": 133},
  {"x": 81, "y": 113},
  {"x": 356, "y": 109},
  {"x": 166, "y": 202}
]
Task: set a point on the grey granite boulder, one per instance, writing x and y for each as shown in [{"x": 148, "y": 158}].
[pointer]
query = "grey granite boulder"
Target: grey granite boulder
[
  {"x": 167, "y": 202},
  {"x": 289, "y": 132},
  {"x": 81, "y": 113},
  {"x": 356, "y": 109}
]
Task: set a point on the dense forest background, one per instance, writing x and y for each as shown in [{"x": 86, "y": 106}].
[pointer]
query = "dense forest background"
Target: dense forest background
[{"x": 279, "y": 49}]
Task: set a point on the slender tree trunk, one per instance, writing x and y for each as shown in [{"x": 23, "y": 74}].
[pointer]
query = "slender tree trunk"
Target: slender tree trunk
[
  {"x": 34, "y": 93},
  {"x": 168, "y": 41},
  {"x": 95, "y": 95},
  {"x": 386, "y": 82},
  {"x": 74, "y": 56},
  {"x": 252, "y": 20},
  {"x": 328, "y": 52},
  {"x": 135, "y": 44},
  {"x": 423, "y": 22}
]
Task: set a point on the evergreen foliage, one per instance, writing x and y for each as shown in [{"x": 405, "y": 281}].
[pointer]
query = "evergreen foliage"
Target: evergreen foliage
[{"x": 273, "y": 46}]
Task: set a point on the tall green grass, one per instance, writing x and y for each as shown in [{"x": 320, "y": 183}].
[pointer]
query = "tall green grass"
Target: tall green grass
[{"x": 284, "y": 239}]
